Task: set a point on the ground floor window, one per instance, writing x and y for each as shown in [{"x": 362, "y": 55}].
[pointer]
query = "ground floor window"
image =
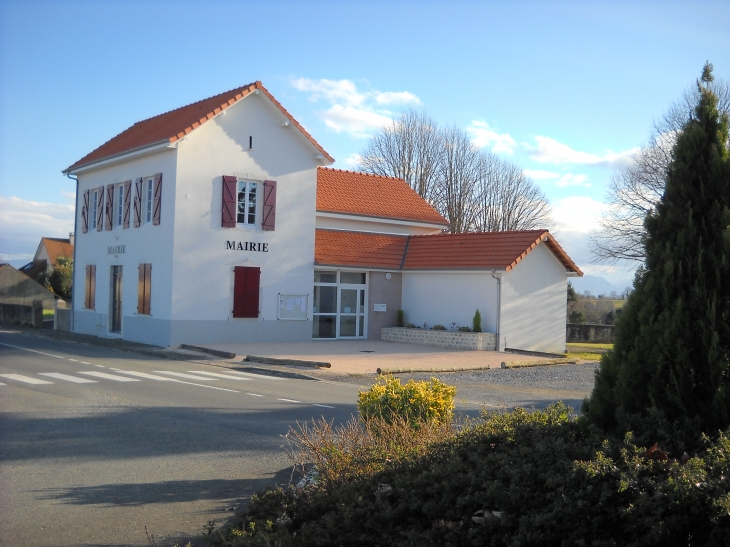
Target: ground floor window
[
  {"x": 116, "y": 299},
  {"x": 144, "y": 289},
  {"x": 90, "y": 287},
  {"x": 340, "y": 301}
]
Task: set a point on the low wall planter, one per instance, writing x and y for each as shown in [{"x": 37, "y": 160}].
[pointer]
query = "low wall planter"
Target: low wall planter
[{"x": 475, "y": 341}]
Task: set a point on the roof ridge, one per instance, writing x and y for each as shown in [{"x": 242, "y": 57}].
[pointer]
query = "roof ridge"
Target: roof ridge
[
  {"x": 360, "y": 173},
  {"x": 537, "y": 231},
  {"x": 196, "y": 102}
]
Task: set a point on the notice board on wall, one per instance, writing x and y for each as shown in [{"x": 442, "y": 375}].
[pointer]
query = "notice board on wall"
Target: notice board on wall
[{"x": 293, "y": 307}]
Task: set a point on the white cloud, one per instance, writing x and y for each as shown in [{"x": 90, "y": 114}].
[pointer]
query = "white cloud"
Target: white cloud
[
  {"x": 23, "y": 223},
  {"x": 578, "y": 213},
  {"x": 397, "y": 97},
  {"x": 484, "y": 136},
  {"x": 551, "y": 151},
  {"x": 352, "y": 161},
  {"x": 351, "y": 110},
  {"x": 569, "y": 179},
  {"x": 340, "y": 91},
  {"x": 538, "y": 174},
  {"x": 356, "y": 121}
]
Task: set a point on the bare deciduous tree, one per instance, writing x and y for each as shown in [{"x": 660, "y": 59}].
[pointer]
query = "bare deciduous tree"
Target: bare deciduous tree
[
  {"x": 635, "y": 190},
  {"x": 409, "y": 149},
  {"x": 472, "y": 189},
  {"x": 507, "y": 199}
]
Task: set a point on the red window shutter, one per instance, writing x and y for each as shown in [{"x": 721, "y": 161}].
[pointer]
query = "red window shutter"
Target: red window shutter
[
  {"x": 230, "y": 202},
  {"x": 246, "y": 291},
  {"x": 100, "y": 209},
  {"x": 144, "y": 289},
  {"x": 87, "y": 288},
  {"x": 85, "y": 212},
  {"x": 138, "y": 203},
  {"x": 109, "y": 206},
  {"x": 157, "y": 199},
  {"x": 127, "y": 202},
  {"x": 269, "y": 222}
]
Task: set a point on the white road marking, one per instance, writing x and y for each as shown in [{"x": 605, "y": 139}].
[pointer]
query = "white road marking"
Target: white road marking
[
  {"x": 288, "y": 400},
  {"x": 145, "y": 375},
  {"x": 251, "y": 375},
  {"x": 1, "y": 384},
  {"x": 324, "y": 406},
  {"x": 220, "y": 375},
  {"x": 68, "y": 378},
  {"x": 73, "y": 360},
  {"x": 100, "y": 366},
  {"x": 183, "y": 375},
  {"x": 26, "y": 379},
  {"x": 254, "y": 394},
  {"x": 32, "y": 350},
  {"x": 108, "y": 376}
]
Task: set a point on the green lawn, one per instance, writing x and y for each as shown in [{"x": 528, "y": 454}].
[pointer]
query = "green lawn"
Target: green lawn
[{"x": 47, "y": 315}]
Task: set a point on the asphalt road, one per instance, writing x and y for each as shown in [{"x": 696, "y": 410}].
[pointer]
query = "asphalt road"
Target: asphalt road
[{"x": 96, "y": 444}]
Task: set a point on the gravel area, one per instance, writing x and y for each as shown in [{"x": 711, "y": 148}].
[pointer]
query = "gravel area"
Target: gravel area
[{"x": 530, "y": 387}]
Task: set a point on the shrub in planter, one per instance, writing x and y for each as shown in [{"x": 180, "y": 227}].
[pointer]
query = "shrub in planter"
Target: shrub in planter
[
  {"x": 464, "y": 329},
  {"x": 477, "y": 322},
  {"x": 439, "y": 327},
  {"x": 410, "y": 326},
  {"x": 415, "y": 402},
  {"x": 400, "y": 318}
]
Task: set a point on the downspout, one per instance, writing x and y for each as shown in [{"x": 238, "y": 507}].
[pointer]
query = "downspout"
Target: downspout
[
  {"x": 76, "y": 234},
  {"x": 499, "y": 303}
]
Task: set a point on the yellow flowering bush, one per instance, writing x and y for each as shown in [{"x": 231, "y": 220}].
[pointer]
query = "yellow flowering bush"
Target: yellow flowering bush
[{"x": 415, "y": 402}]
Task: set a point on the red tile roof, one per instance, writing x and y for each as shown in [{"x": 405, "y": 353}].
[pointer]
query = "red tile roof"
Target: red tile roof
[
  {"x": 480, "y": 250},
  {"x": 475, "y": 251},
  {"x": 57, "y": 248},
  {"x": 335, "y": 248},
  {"x": 362, "y": 194},
  {"x": 174, "y": 125}
]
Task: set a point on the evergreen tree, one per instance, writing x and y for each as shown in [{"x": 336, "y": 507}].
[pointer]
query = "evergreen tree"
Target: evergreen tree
[{"x": 672, "y": 345}]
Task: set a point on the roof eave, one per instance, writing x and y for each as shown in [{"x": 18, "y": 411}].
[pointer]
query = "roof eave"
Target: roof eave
[
  {"x": 122, "y": 156},
  {"x": 424, "y": 223}
]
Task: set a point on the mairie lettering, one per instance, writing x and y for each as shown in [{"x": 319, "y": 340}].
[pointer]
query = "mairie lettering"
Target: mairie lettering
[
  {"x": 116, "y": 249},
  {"x": 247, "y": 246}
]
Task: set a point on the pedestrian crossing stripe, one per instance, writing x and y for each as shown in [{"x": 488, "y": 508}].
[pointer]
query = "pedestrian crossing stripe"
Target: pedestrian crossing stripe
[
  {"x": 188, "y": 376},
  {"x": 228, "y": 376},
  {"x": 108, "y": 376},
  {"x": 74, "y": 379},
  {"x": 26, "y": 379},
  {"x": 145, "y": 375}
]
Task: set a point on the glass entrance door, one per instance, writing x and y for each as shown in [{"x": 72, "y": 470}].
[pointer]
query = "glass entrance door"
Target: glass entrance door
[
  {"x": 116, "y": 304},
  {"x": 352, "y": 313},
  {"x": 340, "y": 302}
]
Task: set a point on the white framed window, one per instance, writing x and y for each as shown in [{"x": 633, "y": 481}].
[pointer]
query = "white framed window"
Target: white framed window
[
  {"x": 247, "y": 207},
  {"x": 94, "y": 209},
  {"x": 120, "y": 205},
  {"x": 149, "y": 186}
]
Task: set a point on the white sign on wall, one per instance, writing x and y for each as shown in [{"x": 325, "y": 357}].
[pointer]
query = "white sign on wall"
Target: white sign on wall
[{"x": 293, "y": 307}]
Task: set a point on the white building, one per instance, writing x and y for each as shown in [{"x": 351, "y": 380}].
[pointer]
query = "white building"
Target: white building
[{"x": 219, "y": 222}]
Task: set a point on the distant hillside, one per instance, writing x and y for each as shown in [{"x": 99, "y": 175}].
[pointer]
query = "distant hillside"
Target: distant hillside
[{"x": 596, "y": 285}]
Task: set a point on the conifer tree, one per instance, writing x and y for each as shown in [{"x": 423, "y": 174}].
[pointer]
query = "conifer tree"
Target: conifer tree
[{"x": 672, "y": 345}]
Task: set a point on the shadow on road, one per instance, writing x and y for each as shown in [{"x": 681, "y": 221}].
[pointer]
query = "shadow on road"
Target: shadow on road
[{"x": 231, "y": 491}]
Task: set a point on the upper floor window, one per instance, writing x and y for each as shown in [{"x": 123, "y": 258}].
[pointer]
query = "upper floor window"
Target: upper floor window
[
  {"x": 149, "y": 184},
  {"x": 94, "y": 207},
  {"x": 247, "y": 201},
  {"x": 120, "y": 205}
]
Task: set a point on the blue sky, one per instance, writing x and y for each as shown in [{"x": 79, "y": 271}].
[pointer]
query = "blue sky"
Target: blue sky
[{"x": 564, "y": 89}]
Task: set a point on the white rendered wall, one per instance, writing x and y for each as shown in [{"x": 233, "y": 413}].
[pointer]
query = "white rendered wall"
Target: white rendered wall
[
  {"x": 533, "y": 303},
  {"x": 446, "y": 297},
  {"x": 146, "y": 244},
  {"x": 202, "y": 282},
  {"x": 373, "y": 225}
]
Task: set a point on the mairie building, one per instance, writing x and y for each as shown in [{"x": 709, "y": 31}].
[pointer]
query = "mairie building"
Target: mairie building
[{"x": 221, "y": 222}]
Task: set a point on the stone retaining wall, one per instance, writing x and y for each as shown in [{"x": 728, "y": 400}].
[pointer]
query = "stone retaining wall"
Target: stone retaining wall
[
  {"x": 23, "y": 315},
  {"x": 477, "y": 341}
]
